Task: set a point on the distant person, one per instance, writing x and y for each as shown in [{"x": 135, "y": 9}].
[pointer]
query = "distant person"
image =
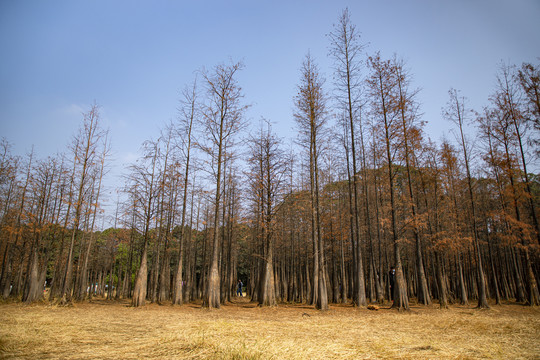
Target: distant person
[
  {"x": 392, "y": 281},
  {"x": 239, "y": 288}
]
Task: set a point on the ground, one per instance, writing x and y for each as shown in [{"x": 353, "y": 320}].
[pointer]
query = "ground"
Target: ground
[{"x": 113, "y": 330}]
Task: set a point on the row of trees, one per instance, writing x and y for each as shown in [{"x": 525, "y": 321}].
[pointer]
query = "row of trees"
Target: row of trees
[
  {"x": 49, "y": 209},
  {"x": 363, "y": 191}
]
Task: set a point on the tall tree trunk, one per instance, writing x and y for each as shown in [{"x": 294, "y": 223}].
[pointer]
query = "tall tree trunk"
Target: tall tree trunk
[
  {"x": 401, "y": 300},
  {"x": 177, "y": 289},
  {"x": 421, "y": 288},
  {"x": 458, "y": 112}
]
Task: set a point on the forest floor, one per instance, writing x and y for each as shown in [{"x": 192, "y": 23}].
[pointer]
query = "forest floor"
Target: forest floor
[{"x": 103, "y": 329}]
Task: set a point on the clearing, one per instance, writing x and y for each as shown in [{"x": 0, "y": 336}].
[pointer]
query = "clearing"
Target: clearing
[{"x": 103, "y": 330}]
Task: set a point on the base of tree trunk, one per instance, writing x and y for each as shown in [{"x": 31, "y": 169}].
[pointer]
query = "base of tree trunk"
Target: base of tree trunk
[
  {"x": 64, "y": 301},
  {"x": 212, "y": 297},
  {"x": 399, "y": 308},
  {"x": 482, "y": 307}
]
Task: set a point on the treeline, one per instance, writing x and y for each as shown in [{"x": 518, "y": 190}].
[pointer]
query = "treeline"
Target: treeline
[{"x": 364, "y": 209}]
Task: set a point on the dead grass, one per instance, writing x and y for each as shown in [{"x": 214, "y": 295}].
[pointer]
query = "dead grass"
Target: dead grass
[{"x": 104, "y": 330}]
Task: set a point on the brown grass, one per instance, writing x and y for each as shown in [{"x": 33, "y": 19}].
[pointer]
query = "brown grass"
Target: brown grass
[{"x": 113, "y": 330}]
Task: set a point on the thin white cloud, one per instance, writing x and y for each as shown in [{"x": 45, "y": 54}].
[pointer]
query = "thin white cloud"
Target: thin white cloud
[{"x": 71, "y": 110}]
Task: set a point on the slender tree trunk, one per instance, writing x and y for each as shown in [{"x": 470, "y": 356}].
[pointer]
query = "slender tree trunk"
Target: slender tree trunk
[
  {"x": 443, "y": 297},
  {"x": 462, "y": 288},
  {"x": 481, "y": 282},
  {"x": 401, "y": 300},
  {"x": 177, "y": 290},
  {"x": 421, "y": 288}
]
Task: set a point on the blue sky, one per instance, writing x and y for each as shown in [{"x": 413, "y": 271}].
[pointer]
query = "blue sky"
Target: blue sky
[{"x": 134, "y": 57}]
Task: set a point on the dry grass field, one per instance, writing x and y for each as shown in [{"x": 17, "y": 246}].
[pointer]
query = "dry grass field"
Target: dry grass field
[{"x": 113, "y": 330}]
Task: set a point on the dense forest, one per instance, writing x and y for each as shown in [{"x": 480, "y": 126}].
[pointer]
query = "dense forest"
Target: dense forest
[{"x": 361, "y": 193}]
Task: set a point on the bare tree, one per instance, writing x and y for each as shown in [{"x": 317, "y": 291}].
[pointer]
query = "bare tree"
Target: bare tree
[
  {"x": 512, "y": 103},
  {"x": 86, "y": 152},
  {"x": 346, "y": 49},
  {"x": 267, "y": 173},
  {"x": 15, "y": 199},
  {"x": 38, "y": 215},
  {"x": 529, "y": 78},
  {"x": 81, "y": 292},
  {"x": 408, "y": 110},
  {"x": 223, "y": 119},
  {"x": 382, "y": 89},
  {"x": 310, "y": 115},
  {"x": 509, "y": 124},
  {"x": 144, "y": 193},
  {"x": 188, "y": 113},
  {"x": 457, "y": 113}
]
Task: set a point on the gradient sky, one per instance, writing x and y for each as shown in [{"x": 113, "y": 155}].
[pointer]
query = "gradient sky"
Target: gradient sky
[{"x": 134, "y": 57}]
